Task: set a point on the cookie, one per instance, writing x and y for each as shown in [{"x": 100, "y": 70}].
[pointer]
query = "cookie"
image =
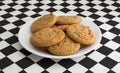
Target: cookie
[
  {"x": 62, "y": 27},
  {"x": 81, "y": 34},
  {"x": 64, "y": 48},
  {"x": 67, "y": 20},
  {"x": 43, "y": 22},
  {"x": 47, "y": 37}
]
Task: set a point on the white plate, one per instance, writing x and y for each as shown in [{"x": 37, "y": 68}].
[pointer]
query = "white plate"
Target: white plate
[{"x": 25, "y": 33}]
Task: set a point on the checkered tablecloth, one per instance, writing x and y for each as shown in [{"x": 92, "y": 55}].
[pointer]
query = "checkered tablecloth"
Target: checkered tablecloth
[{"x": 104, "y": 59}]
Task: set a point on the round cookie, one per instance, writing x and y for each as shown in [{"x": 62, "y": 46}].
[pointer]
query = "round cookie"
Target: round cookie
[
  {"x": 64, "y": 48},
  {"x": 43, "y": 22},
  {"x": 67, "y": 20},
  {"x": 47, "y": 37},
  {"x": 81, "y": 34},
  {"x": 62, "y": 27}
]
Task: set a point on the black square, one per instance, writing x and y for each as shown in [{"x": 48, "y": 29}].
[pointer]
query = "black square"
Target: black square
[
  {"x": 67, "y": 63},
  {"x": 116, "y": 4},
  {"x": 51, "y": 9},
  {"x": 22, "y": 71},
  {"x": 19, "y": 22},
  {"x": 52, "y": 4},
  {"x": 98, "y": 22},
  {"x": 37, "y": 9},
  {"x": 10, "y": 9},
  {"x": 1, "y": 4},
  {"x": 46, "y": 63},
  {"x": 104, "y": 50},
  {"x": 21, "y": 16},
  {"x": 1, "y": 39},
  {"x": 118, "y": 49},
  {"x": 67, "y": 71},
  {"x": 108, "y": 62},
  {"x": 109, "y": 16},
  {"x": 106, "y": 10},
  {"x": 24, "y": 63},
  {"x": 92, "y": 10},
  {"x": 115, "y": 30},
  {"x": 65, "y": 10},
  {"x": 12, "y": 40},
  {"x": 81, "y": 15},
  {"x": 88, "y": 71},
  {"x": 64, "y": 4},
  {"x": 6, "y": 16},
  {"x": 24, "y": 9},
  {"x": 91, "y": 4},
  {"x": 94, "y": 16},
  {"x": 38, "y": 4},
  {"x": 77, "y": 4},
  {"x": 25, "y": 52},
  {"x": 35, "y": 15},
  {"x": 14, "y": 30},
  {"x": 104, "y": 40},
  {"x": 8, "y": 50},
  {"x": 4, "y": 62},
  {"x": 110, "y": 71},
  {"x": 12, "y": 4},
  {"x": 25, "y": 4},
  {"x": 79, "y": 10},
  {"x": 118, "y": 9},
  {"x": 117, "y": 39},
  {"x": 87, "y": 62},
  {"x": 102, "y": 30},
  {"x": 112, "y": 23},
  {"x": 103, "y": 4},
  {"x": 44, "y": 71},
  {"x": 89, "y": 52},
  {"x": 2, "y": 30},
  {"x": 1, "y": 72},
  {"x": 4, "y": 22}
]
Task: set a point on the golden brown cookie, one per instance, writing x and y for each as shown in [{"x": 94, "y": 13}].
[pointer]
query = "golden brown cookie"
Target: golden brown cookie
[
  {"x": 43, "y": 22},
  {"x": 47, "y": 37},
  {"x": 62, "y": 27},
  {"x": 81, "y": 34},
  {"x": 65, "y": 47},
  {"x": 67, "y": 20}
]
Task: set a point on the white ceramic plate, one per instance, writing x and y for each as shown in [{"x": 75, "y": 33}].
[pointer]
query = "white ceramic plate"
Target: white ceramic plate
[{"x": 25, "y": 33}]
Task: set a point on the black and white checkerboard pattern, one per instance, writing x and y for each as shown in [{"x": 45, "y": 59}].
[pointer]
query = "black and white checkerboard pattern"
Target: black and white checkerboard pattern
[{"x": 104, "y": 59}]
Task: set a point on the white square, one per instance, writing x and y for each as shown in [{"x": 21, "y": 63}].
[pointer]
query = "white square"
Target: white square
[
  {"x": 7, "y": 2},
  {"x": 3, "y": 44},
  {"x": 109, "y": 35},
  {"x": 27, "y": 19},
  {"x": 6, "y": 35},
  {"x": 10, "y": 26},
  {"x": 58, "y": 7},
  {"x": 106, "y": 27},
  {"x": 56, "y": 68},
  {"x": 45, "y": 2},
  {"x": 86, "y": 13},
  {"x": 1, "y": 55},
  {"x": 98, "y": 7},
  {"x": 101, "y": 13},
  {"x": 72, "y": 12},
  {"x": 83, "y": 2},
  {"x": 58, "y": 1},
  {"x": 96, "y": 56},
  {"x": 70, "y": 1},
  {"x": 44, "y": 12},
  {"x": 109, "y": 1},
  {"x": 117, "y": 19},
  {"x": 12, "y": 19},
  {"x": 113, "y": 45},
  {"x": 16, "y": 56},
  {"x": 98, "y": 68},
  {"x": 17, "y": 46},
  {"x": 34, "y": 69},
  {"x": 118, "y": 26},
  {"x": 15, "y": 12},
  {"x": 29, "y": 13},
  {"x": 77, "y": 59},
  {"x": 32, "y": 1},
  {"x": 20, "y": 1},
  {"x": 96, "y": 2},
  {"x": 45, "y": 7},
  {"x": 35, "y": 58},
  {"x": 31, "y": 7},
  {"x": 114, "y": 13},
  {"x": 58, "y": 12},
  {"x": 71, "y": 7},
  {"x": 2, "y": 13},
  {"x": 1, "y": 18},
  {"x": 115, "y": 56},
  {"x": 77, "y": 68},
  {"x": 103, "y": 19},
  {"x": 99, "y": 45},
  {"x": 116, "y": 68},
  {"x": 17, "y": 7},
  {"x": 12, "y": 69},
  {"x": 111, "y": 7},
  {"x": 4, "y": 7},
  {"x": 84, "y": 7}
]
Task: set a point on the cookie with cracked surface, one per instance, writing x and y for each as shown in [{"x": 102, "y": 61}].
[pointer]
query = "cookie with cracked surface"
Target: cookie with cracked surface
[
  {"x": 67, "y": 20},
  {"x": 64, "y": 48},
  {"x": 82, "y": 34},
  {"x": 47, "y": 37},
  {"x": 43, "y": 22}
]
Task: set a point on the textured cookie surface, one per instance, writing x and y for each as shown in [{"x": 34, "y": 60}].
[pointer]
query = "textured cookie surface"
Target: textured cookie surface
[
  {"x": 65, "y": 47},
  {"x": 43, "y": 22},
  {"x": 81, "y": 34},
  {"x": 47, "y": 37},
  {"x": 67, "y": 20},
  {"x": 62, "y": 27}
]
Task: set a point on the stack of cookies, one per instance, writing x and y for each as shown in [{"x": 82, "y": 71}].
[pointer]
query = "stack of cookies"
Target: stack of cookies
[{"x": 62, "y": 35}]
